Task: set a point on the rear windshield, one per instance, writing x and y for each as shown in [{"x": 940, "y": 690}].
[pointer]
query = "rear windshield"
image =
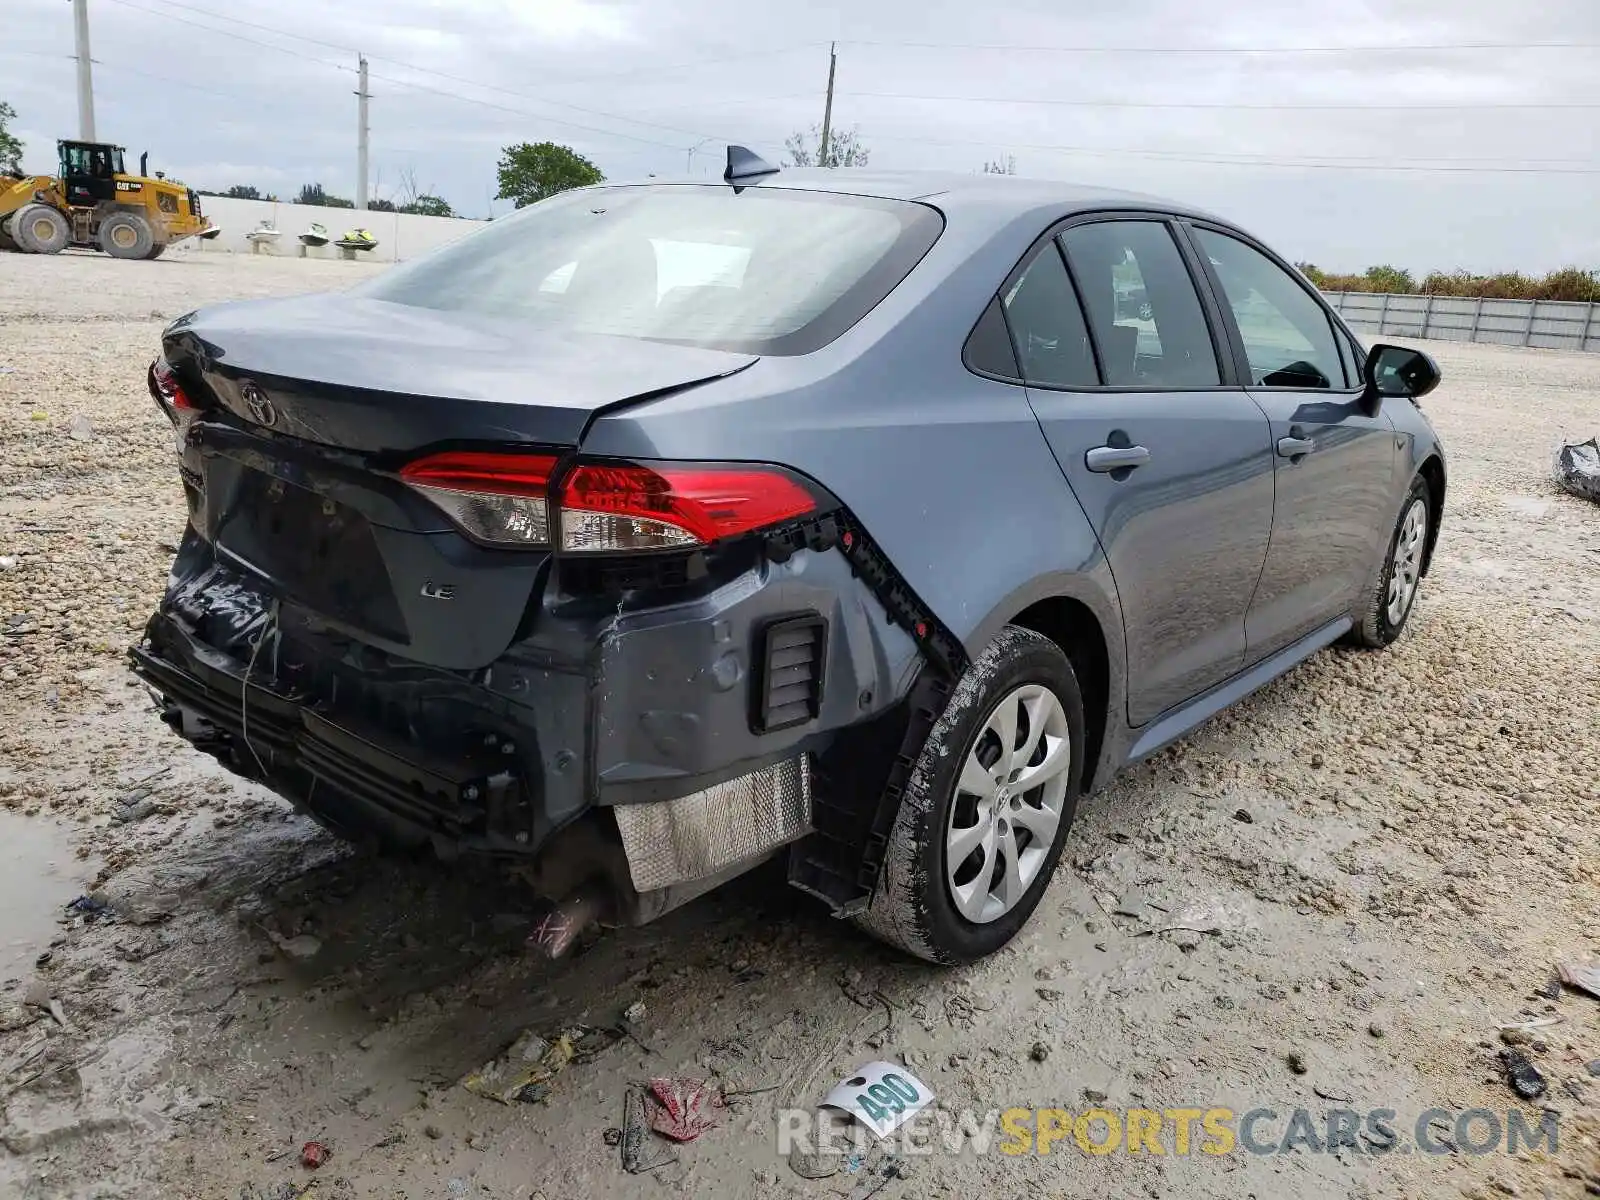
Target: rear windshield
[{"x": 763, "y": 271}]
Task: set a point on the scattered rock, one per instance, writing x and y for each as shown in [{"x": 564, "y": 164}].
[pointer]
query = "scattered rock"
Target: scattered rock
[
  {"x": 1039, "y": 1053},
  {"x": 1522, "y": 1075},
  {"x": 1297, "y": 1062},
  {"x": 1051, "y": 994},
  {"x": 433, "y": 1131},
  {"x": 80, "y": 430},
  {"x": 1094, "y": 1095},
  {"x": 1515, "y": 1037},
  {"x": 1244, "y": 816},
  {"x": 300, "y": 947},
  {"x": 1377, "y": 1030}
]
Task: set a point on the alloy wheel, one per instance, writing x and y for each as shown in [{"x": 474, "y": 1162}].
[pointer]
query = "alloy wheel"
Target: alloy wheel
[
  {"x": 1008, "y": 803},
  {"x": 1405, "y": 568}
]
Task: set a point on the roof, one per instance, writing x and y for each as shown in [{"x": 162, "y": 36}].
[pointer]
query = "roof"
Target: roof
[{"x": 953, "y": 190}]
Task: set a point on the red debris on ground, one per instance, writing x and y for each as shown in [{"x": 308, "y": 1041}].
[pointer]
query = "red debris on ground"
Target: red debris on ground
[
  {"x": 314, "y": 1154},
  {"x": 685, "y": 1108}
]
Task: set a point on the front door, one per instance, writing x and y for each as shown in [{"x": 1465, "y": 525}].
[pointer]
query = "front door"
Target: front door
[
  {"x": 1172, "y": 465},
  {"x": 1335, "y": 457}
]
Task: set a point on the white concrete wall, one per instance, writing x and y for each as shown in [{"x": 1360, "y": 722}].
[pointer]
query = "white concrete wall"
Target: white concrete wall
[{"x": 399, "y": 236}]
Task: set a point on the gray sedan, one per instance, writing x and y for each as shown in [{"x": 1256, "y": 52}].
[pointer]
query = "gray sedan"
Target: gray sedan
[{"x": 873, "y": 519}]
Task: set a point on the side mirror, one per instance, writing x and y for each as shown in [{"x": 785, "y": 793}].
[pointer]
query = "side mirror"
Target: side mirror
[{"x": 1400, "y": 371}]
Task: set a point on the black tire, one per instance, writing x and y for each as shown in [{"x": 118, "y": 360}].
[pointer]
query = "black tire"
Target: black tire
[
  {"x": 914, "y": 907},
  {"x": 157, "y": 251},
  {"x": 1378, "y": 621},
  {"x": 6, "y": 241},
  {"x": 127, "y": 235},
  {"x": 40, "y": 229}
]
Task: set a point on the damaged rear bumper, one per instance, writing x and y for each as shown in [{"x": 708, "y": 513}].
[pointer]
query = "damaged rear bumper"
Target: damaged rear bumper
[{"x": 675, "y": 717}]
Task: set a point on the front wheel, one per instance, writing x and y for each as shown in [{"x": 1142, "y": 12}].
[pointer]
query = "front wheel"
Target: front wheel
[
  {"x": 986, "y": 812},
  {"x": 1392, "y": 594},
  {"x": 127, "y": 235}
]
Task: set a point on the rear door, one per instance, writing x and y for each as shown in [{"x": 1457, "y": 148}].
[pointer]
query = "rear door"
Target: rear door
[
  {"x": 1169, "y": 458},
  {"x": 1335, "y": 458}
]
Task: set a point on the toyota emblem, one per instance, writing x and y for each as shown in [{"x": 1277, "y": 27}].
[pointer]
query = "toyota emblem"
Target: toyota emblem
[{"x": 261, "y": 410}]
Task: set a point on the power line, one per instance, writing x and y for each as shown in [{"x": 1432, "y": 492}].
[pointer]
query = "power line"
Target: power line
[
  {"x": 410, "y": 66},
  {"x": 1028, "y": 48},
  {"x": 1208, "y": 104},
  {"x": 154, "y": 12},
  {"x": 1239, "y": 160},
  {"x": 740, "y": 56}
]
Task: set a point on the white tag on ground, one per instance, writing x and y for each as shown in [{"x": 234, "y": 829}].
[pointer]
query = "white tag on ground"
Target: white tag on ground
[{"x": 882, "y": 1096}]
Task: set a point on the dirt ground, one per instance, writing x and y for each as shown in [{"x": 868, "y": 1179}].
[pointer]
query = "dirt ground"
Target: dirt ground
[{"x": 1386, "y": 853}]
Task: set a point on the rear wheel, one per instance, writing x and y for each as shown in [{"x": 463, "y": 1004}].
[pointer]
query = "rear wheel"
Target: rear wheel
[
  {"x": 986, "y": 813},
  {"x": 6, "y": 242},
  {"x": 40, "y": 229},
  {"x": 126, "y": 235},
  {"x": 1393, "y": 593}
]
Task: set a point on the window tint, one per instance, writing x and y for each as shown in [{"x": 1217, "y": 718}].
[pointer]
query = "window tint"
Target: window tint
[
  {"x": 1286, "y": 333},
  {"x": 1146, "y": 317},
  {"x": 1047, "y": 325},
  {"x": 989, "y": 347},
  {"x": 768, "y": 271}
]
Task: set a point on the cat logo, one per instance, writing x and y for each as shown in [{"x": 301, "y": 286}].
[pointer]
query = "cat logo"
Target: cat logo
[
  {"x": 124, "y": 186},
  {"x": 439, "y": 591}
]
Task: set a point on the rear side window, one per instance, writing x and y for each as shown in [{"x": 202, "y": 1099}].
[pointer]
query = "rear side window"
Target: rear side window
[
  {"x": 764, "y": 271},
  {"x": 1047, "y": 325},
  {"x": 1286, "y": 333},
  {"x": 1147, "y": 319}
]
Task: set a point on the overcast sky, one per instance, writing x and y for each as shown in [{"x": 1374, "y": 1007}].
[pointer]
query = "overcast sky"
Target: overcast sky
[{"x": 217, "y": 100}]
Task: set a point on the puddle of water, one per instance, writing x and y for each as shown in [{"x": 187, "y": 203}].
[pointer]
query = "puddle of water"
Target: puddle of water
[{"x": 38, "y": 876}]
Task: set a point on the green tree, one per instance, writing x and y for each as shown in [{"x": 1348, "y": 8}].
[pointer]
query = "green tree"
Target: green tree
[
  {"x": 312, "y": 193},
  {"x": 1390, "y": 279},
  {"x": 243, "y": 191},
  {"x": 377, "y": 205},
  {"x": 428, "y": 206},
  {"x": 530, "y": 173},
  {"x": 10, "y": 145},
  {"x": 844, "y": 148}
]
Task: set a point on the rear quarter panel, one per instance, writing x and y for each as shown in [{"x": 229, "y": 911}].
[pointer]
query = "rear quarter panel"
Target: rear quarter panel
[{"x": 949, "y": 472}]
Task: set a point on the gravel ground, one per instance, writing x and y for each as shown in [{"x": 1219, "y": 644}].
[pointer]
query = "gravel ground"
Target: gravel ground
[{"x": 1390, "y": 850}]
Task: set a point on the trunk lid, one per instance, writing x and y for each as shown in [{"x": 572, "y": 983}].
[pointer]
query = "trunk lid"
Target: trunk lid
[
  {"x": 368, "y": 375},
  {"x": 311, "y": 405}
]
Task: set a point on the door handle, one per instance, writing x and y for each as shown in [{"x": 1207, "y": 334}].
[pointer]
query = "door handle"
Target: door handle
[
  {"x": 1115, "y": 458},
  {"x": 1295, "y": 447}
]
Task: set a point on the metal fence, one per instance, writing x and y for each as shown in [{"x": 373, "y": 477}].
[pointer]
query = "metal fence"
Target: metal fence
[{"x": 1552, "y": 324}]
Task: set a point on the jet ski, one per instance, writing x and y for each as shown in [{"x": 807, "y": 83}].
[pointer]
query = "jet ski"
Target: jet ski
[
  {"x": 317, "y": 235},
  {"x": 357, "y": 239},
  {"x": 266, "y": 231}
]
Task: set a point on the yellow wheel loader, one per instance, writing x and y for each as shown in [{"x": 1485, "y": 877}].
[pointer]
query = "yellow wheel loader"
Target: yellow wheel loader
[{"x": 95, "y": 203}]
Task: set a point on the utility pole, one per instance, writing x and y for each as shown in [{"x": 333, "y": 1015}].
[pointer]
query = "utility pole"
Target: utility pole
[
  {"x": 80, "y": 29},
  {"x": 827, "y": 108},
  {"x": 361, "y": 144}
]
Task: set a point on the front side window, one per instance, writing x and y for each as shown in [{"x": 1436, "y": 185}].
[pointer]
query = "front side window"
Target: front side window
[
  {"x": 1146, "y": 316},
  {"x": 1286, "y": 333},
  {"x": 766, "y": 271}
]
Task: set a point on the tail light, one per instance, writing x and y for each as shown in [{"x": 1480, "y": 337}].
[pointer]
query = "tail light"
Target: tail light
[
  {"x": 174, "y": 401},
  {"x": 496, "y": 498},
  {"x": 631, "y": 507},
  {"x": 504, "y": 499}
]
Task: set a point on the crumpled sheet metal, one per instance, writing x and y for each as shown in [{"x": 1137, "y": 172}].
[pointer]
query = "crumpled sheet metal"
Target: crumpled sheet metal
[
  {"x": 675, "y": 841},
  {"x": 1578, "y": 468}
]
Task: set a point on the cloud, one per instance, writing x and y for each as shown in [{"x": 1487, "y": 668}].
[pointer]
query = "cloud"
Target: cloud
[{"x": 220, "y": 101}]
